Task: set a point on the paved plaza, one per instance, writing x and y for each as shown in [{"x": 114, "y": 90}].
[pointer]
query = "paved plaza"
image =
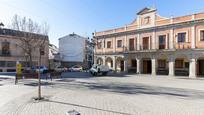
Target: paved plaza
[{"x": 110, "y": 95}]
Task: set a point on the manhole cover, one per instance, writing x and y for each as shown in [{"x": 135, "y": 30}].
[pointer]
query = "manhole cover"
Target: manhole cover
[{"x": 73, "y": 112}]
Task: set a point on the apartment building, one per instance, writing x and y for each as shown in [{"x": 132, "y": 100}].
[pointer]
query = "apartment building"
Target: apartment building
[
  {"x": 12, "y": 50},
  {"x": 155, "y": 45},
  {"x": 74, "y": 50}
]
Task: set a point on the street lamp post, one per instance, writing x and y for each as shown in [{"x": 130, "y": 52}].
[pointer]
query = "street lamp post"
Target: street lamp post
[{"x": 93, "y": 46}]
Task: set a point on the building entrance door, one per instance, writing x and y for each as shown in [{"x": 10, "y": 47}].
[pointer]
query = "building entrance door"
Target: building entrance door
[
  {"x": 122, "y": 65},
  {"x": 147, "y": 67},
  {"x": 200, "y": 68}
]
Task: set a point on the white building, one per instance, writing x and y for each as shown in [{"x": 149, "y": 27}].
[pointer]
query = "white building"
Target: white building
[
  {"x": 54, "y": 61},
  {"x": 72, "y": 50},
  {"x": 53, "y": 50}
]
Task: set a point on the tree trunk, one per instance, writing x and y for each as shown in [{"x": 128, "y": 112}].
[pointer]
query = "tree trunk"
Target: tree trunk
[
  {"x": 30, "y": 61},
  {"x": 39, "y": 79}
]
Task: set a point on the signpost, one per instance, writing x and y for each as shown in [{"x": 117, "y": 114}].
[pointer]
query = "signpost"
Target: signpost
[{"x": 18, "y": 71}]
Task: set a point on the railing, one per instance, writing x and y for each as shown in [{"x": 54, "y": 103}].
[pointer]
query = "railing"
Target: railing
[
  {"x": 145, "y": 47},
  {"x": 162, "y": 46},
  {"x": 131, "y": 48},
  {"x": 185, "y": 45}
]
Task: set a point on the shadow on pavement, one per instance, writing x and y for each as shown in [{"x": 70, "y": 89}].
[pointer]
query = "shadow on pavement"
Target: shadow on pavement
[
  {"x": 4, "y": 78},
  {"x": 36, "y": 84},
  {"x": 132, "y": 89},
  {"x": 187, "y": 78},
  {"x": 76, "y": 75},
  {"x": 88, "y": 75},
  {"x": 88, "y": 107}
]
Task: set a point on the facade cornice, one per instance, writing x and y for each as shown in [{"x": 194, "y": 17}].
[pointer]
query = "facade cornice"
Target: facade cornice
[
  {"x": 145, "y": 30},
  {"x": 151, "y": 51}
]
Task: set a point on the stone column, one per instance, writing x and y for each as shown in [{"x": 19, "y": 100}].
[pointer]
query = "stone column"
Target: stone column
[
  {"x": 104, "y": 60},
  {"x": 114, "y": 63},
  {"x": 192, "y": 68},
  {"x": 171, "y": 67},
  {"x": 125, "y": 63},
  {"x": 149, "y": 45},
  {"x": 138, "y": 41},
  {"x": 154, "y": 44},
  {"x": 153, "y": 66},
  {"x": 171, "y": 44},
  {"x": 95, "y": 60},
  {"x": 115, "y": 44},
  {"x": 138, "y": 65},
  {"x": 193, "y": 33},
  {"x": 166, "y": 42},
  {"x": 104, "y": 45}
]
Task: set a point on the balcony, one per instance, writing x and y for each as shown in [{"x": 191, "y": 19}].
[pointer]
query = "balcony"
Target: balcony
[
  {"x": 162, "y": 46},
  {"x": 131, "y": 48},
  {"x": 185, "y": 45},
  {"x": 145, "y": 47}
]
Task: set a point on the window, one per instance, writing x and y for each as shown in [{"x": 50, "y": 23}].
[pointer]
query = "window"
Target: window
[
  {"x": 202, "y": 35},
  {"x": 179, "y": 63},
  {"x": 119, "y": 43},
  {"x": 42, "y": 50},
  {"x": 161, "y": 63},
  {"x": 181, "y": 37},
  {"x": 5, "y": 48},
  {"x": 131, "y": 44},
  {"x": 146, "y": 20},
  {"x": 11, "y": 63},
  {"x": 162, "y": 40},
  {"x": 109, "y": 44},
  {"x": 145, "y": 43},
  {"x": 2, "y": 63},
  {"x": 99, "y": 44}
]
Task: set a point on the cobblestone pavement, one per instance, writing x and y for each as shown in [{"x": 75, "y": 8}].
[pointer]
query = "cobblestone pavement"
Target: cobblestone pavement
[{"x": 111, "y": 95}]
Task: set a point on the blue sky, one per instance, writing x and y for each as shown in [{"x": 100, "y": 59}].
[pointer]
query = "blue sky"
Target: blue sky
[{"x": 86, "y": 16}]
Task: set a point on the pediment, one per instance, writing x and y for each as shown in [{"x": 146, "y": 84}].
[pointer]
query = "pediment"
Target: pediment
[{"x": 146, "y": 10}]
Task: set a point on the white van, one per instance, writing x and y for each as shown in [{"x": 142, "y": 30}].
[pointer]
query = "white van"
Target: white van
[{"x": 97, "y": 69}]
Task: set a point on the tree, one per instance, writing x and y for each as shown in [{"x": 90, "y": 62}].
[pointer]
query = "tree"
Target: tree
[{"x": 32, "y": 35}]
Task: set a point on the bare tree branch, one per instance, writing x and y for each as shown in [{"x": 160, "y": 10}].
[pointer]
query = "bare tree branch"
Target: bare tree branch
[{"x": 33, "y": 35}]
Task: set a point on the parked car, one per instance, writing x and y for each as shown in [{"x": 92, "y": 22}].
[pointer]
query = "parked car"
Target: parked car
[
  {"x": 76, "y": 68},
  {"x": 97, "y": 69},
  {"x": 60, "y": 69},
  {"x": 41, "y": 69}
]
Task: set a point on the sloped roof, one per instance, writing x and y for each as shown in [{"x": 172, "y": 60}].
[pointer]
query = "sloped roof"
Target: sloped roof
[
  {"x": 73, "y": 35},
  {"x": 146, "y": 10}
]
